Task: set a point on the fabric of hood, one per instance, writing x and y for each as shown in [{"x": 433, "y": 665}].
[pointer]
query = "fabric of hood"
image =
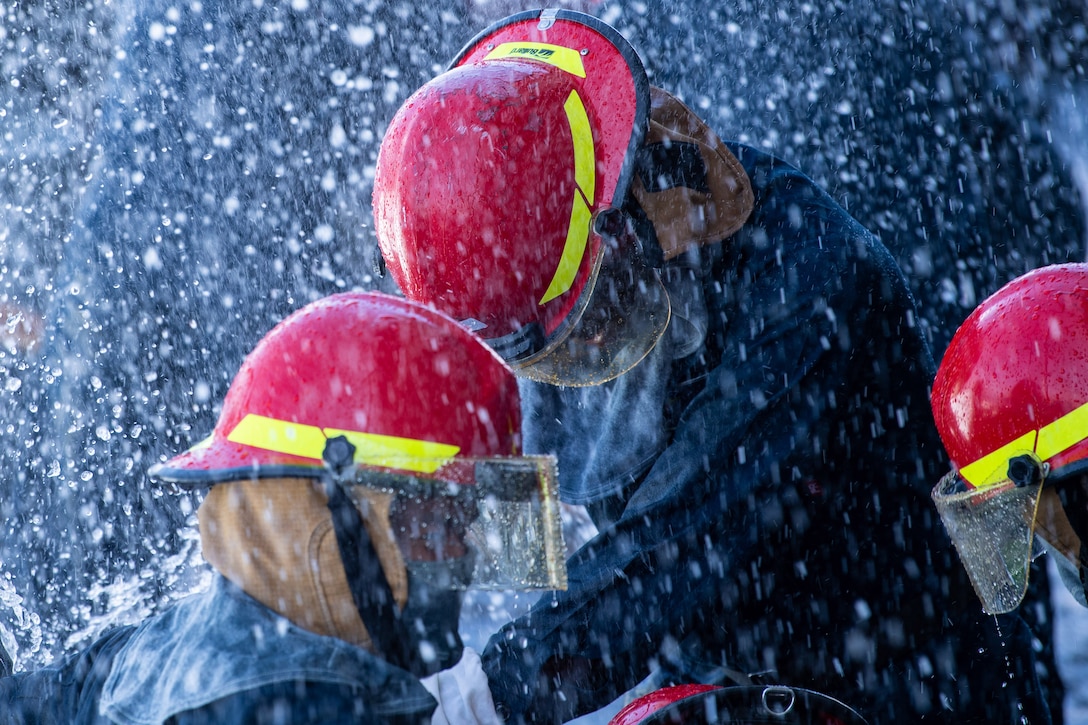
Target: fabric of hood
[
  {"x": 1062, "y": 537},
  {"x": 1053, "y": 525},
  {"x": 274, "y": 539},
  {"x": 691, "y": 187}
]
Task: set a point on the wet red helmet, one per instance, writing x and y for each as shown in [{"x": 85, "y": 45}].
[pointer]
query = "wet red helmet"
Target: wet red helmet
[
  {"x": 641, "y": 708},
  {"x": 495, "y": 185},
  {"x": 742, "y": 704},
  {"x": 408, "y": 387},
  {"x": 1010, "y": 401}
]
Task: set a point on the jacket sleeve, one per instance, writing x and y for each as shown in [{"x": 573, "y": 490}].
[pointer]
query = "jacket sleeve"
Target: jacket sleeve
[
  {"x": 64, "y": 693},
  {"x": 302, "y": 702},
  {"x": 779, "y": 346}
]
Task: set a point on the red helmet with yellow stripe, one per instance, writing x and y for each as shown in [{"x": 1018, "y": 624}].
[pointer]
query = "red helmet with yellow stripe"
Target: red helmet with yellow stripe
[
  {"x": 427, "y": 408},
  {"x": 409, "y": 388},
  {"x": 495, "y": 190},
  {"x": 1010, "y": 401}
]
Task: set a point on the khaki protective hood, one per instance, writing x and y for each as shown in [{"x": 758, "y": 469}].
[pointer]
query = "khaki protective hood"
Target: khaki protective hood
[
  {"x": 691, "y": 187},
  {"x": 274, "y": 538}
]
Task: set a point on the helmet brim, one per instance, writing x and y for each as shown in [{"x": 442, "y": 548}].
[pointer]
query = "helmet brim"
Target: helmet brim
[{"x": 215, "y": 461}]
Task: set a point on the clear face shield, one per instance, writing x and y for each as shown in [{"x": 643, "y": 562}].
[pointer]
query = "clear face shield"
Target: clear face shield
[
  {"x": 992, "y": 528},
  {"x": 483, "y": 523},
  {"x": 999, "y": 527},
  {"x": 622, "y": 314}
]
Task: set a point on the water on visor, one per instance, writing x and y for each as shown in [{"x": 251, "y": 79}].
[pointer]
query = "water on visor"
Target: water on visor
[{"x": 605, "y": 436}]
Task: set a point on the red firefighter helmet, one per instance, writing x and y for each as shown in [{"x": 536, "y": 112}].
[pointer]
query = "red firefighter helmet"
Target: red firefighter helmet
[
  {"x": 427, "y": 408},
  {"x": 742, "y": 705},
  {"x": 495, "y": 189},
  {"x": 1010, "y": 402},
  {"x": 410, "y": 389},
  {"x": 641, "y": 708}
]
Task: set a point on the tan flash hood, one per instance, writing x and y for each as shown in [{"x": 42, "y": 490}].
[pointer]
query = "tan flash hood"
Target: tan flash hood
[
  {"x": 693, "y": 190},
  {"x": 274, "y": 538}
]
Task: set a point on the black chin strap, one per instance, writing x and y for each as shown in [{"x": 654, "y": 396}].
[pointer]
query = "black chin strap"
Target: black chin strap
[{"x": 369, "y": 587}]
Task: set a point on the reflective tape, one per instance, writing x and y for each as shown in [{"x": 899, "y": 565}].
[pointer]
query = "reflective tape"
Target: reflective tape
[
  {"x": 1046, "y": 442},
  {"x": 566, "y": 59},
  {"x": 372, "y": 449},
  {"x": 585, "y": 175}
]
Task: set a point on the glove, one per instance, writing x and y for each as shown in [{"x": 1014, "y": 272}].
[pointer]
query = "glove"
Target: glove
[{"x": 463, "y": 695}]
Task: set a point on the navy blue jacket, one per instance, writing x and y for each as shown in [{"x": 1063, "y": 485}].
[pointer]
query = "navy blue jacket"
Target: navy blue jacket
[
  {"x": 217, "y": 657},
  {"x": 762, "y": 488}
]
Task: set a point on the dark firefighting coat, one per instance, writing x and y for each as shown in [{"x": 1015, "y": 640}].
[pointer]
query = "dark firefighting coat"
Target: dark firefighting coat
[
  {"x": 761, "y": 483},
  {"x": 220, "y": 657}
]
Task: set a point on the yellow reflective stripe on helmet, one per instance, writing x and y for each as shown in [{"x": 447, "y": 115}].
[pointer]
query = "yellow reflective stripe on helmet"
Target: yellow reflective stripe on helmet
[
  {"x": 1064, "y": 433},
  {"x": 994, "y": 467},
  {"x": 585, "y": 178},
  {"x": 585, "y": 166},
  {"x": 308, "y": 441},
  {"x": 281, "y": 436},
  {"x": 573, "y": 249},
  {"x": 567, "y": 59},
  {"x": 394, "y": 452},
  {"x": 1048, "y": 441}
]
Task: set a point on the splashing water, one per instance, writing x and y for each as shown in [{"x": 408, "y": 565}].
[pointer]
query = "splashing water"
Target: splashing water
[{"x": 17, "y": 624}]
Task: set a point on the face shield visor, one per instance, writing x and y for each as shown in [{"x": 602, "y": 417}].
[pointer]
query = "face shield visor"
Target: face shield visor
[
  {"x": 621, "y": 315},
  {"x": 992, "y": 528},
  {"x": 487, "y": 522},
  {"x": 479, "y": 523},
  {"x": 999, "y": 527}
]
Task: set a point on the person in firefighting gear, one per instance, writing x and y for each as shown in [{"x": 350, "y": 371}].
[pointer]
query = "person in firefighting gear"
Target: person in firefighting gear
[
  {"x": 727, "y": 366},
  {"x": 364, "y": 470},
  {"x": 1011, "y": 404}
]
